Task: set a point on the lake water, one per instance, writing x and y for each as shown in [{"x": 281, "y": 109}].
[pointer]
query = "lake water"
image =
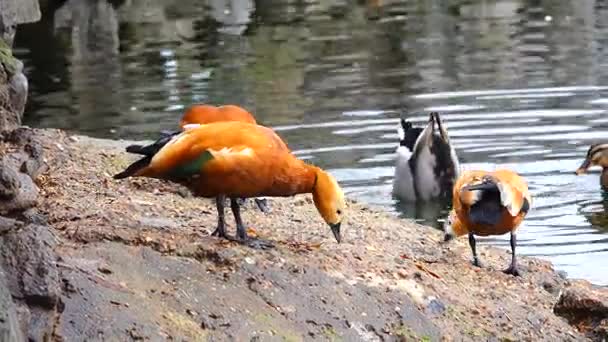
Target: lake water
[{"x": 520, "y": 84}]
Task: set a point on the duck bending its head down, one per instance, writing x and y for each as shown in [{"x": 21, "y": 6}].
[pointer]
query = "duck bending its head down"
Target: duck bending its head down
[
  {"x": 596, "y": 155},
  {"x": 237, "y": 160},
  {"x": 427, "y": 165}
]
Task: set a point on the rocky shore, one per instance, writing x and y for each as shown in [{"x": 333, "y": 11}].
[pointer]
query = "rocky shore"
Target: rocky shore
[
  {"x": 88, "y": 257},
  {"x": 85, "y": 257}
]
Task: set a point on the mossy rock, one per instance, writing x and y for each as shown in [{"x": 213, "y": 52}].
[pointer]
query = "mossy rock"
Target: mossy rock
[{"x": 6, "y": 58}]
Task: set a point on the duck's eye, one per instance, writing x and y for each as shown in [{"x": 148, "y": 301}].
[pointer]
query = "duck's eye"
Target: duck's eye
[{"x": 339, "y": 212}]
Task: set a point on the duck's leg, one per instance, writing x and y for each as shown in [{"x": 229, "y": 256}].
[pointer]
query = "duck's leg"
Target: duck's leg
[
  {"x": 220, "y": 231},
  {"x": 512, "y": 270},
  {"x": 262, "y": 204},
  {"x": 241, "y": 233},
  {"x": 472, "y": 243}
]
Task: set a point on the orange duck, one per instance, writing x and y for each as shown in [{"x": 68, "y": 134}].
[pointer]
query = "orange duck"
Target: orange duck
[
  {"x": 237, "y": 160},
  {"x": 204, "y": 114},
  {"x": 198, "y": 115},
  {"x": 488, "y": 203}
]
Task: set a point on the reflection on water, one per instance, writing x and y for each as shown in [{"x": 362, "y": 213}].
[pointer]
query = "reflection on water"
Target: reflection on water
[{"x": 520, "y": 84}]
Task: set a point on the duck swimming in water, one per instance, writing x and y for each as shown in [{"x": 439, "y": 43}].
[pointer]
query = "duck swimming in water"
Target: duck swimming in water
[
  {"x": 597, "y": 155},
  {"x": 488, "y": 203},
  {"x": 427, "y": 165}
]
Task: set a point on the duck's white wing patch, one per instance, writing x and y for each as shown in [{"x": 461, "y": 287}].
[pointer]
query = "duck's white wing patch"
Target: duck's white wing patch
[
  {"x": 191, "y": 126},
  {"x": 506, "y": 198},
  {"x": 403, "y": 184},
  {"x": 229, "y": 152}
]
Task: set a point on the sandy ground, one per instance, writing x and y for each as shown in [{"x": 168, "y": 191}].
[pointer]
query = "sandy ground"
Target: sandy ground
[{"x": 138, "y": 254}]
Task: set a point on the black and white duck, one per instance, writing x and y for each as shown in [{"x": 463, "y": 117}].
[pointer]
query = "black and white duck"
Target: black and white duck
[{"x": 427, "y": 165}]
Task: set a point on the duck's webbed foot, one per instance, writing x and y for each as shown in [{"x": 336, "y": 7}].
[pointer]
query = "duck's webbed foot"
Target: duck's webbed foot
[{"x": 512, "y": 270}]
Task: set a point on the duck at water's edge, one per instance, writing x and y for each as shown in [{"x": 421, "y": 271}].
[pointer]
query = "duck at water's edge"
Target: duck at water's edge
[
  {"x": 201, "y": 114},
  {"x": 597, "y": 155},
  {"x": 427, "y": 165},
  {"x": 237, "y": 160},
  {"x": 488, "y": 203}
]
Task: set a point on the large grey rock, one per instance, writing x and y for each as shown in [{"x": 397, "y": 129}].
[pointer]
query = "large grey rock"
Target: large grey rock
[
  {"x": 30, "y": 262},
  {"x": 10, "y": 331},
  {"x": 15, "y": 12},
  {"x": 17, "y": 90},
  {"x": 13, "y": 88},
  {"x": 17, "y": 170}
]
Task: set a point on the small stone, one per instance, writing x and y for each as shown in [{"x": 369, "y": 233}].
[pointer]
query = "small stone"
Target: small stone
[
  {"x": 104, "y": 270},
  {"x": 435, "y": 307}
]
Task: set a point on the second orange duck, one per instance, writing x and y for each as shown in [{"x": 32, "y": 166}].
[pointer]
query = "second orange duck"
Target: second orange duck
[
  {"x": 488, "y": 203},
  {"x": 237, "y": 160}
]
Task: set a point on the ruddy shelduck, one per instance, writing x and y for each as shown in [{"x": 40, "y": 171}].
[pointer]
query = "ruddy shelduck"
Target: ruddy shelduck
[
  {"x": 204, "y": 114},
  {"x": 238, "y": 160},
  {"x": 426, "y": 166},
  {"x": 488, "y": 203},
  {"x": 201, "y": 114},
  {"x": 597, "y": 155}
]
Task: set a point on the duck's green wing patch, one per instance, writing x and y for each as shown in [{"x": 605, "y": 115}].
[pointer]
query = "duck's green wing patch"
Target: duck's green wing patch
[{"x": 192, "y": 167}]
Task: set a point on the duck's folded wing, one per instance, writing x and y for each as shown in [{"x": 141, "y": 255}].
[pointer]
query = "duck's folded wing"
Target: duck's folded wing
[
  {"x": 514, "y": 193},
  {"x": 188, "y": 152}
]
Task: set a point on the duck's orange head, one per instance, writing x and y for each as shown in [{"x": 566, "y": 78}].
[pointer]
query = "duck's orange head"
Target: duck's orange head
[
  {"x": 596, "y": 155},
  {"x": 453, "y": 227},
  {"x": 329, "y": 200}
]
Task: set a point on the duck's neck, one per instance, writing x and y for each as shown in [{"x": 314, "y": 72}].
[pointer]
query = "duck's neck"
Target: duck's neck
[
  {"x": 301, "y": 179},
  {"x": 308, "y": 179}
]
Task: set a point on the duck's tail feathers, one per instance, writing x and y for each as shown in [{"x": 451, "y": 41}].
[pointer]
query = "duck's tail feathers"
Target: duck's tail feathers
[
  {"x": 134, "y": 168},
  {"x": 146, "y": 150}
]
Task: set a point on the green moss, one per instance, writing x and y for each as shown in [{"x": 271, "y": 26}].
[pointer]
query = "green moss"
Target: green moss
[
  {"x": 409, "y": 334},
  {"x": 331, "y": 333},
  {"x": 285, "y": 335},
  {"x": 6, "y": 57},
  {"x": 404, "y": 331}
]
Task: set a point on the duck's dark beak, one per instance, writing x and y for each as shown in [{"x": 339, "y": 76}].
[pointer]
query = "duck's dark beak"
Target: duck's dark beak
[
  {"x": 583, "y": 168},
  {"x": 335, "y": 228}
]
